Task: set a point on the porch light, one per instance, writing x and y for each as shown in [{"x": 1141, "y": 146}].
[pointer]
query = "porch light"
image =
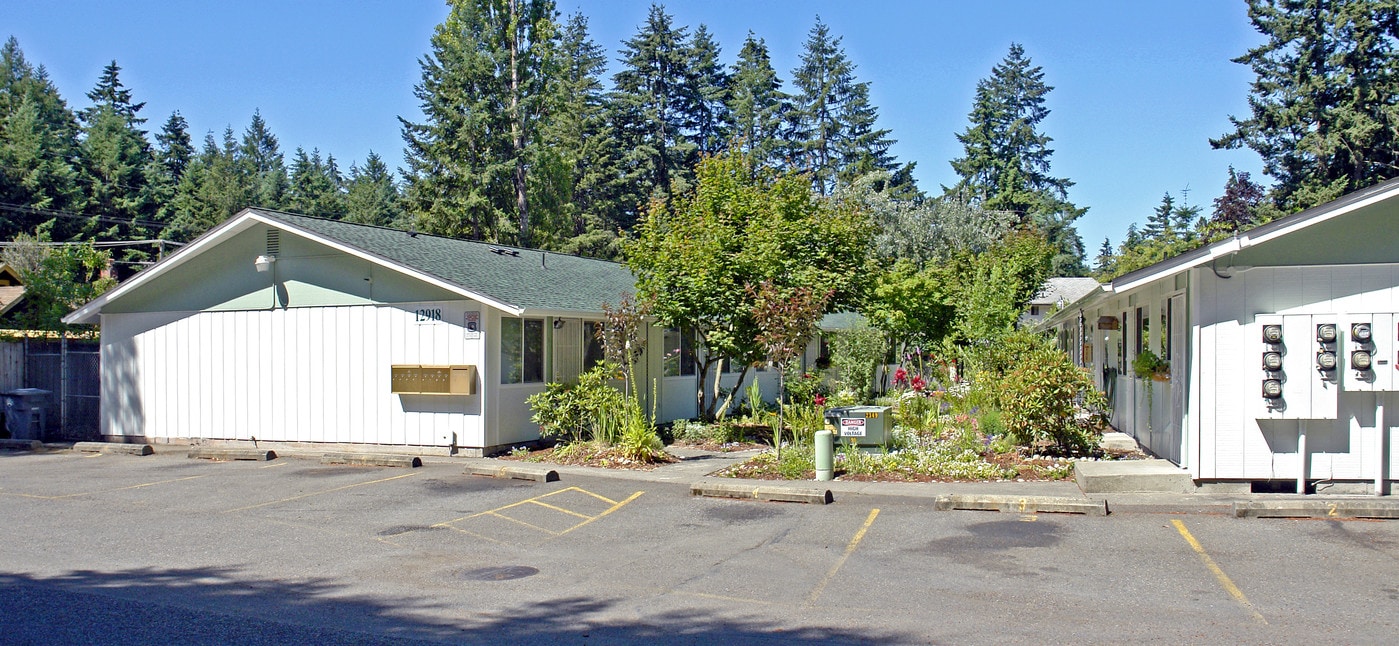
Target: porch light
[
  {"x": 1272, "y": 333},
  {"x": 1360, "y": 359},
  {"x": 1272, "y": 388},
  {"x": 1326, "y": 333},
  {"x": 1272, "y": 361},
  {"x": 1360, "y": 332},
  {"x": 1326, "y": 360}
]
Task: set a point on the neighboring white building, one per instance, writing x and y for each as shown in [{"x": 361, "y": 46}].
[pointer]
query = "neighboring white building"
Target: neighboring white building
[
  {"x": 1235, "y": 405},
  {"x": 288, "y": 328},
  {"x": 1056, "y": 293}
]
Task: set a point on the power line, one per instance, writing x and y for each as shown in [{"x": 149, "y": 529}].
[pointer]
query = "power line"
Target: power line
[
  {"x": 30, "y": 210},
  {"x": 99, "y": 245}
]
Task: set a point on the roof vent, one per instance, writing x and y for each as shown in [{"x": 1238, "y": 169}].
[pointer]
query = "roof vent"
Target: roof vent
[
  {"x": 274, "y": 242},
  {"x": 505, "y": 252}
]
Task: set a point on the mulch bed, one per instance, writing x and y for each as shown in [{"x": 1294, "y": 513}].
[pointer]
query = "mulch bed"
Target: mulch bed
[{"x": 609, "y": 458}]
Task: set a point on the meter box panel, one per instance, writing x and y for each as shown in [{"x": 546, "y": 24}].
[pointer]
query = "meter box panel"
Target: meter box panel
[
  {"x": 1265, "y": 361},
  {"x": 1284, "y": 359},
  {"x": 1367, "y": 352}
]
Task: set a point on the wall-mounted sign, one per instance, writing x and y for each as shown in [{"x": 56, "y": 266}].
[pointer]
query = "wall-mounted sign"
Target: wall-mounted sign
[
  {"x": 471, "y": 321},
  {"x": 433, "y": 380}
]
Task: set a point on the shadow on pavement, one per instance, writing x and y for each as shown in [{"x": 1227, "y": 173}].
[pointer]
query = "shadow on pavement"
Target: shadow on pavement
[{"x": 224, "y": 605}]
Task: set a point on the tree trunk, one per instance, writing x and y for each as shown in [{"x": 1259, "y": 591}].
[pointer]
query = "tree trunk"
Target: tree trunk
[{"x": 517, "y": 125}]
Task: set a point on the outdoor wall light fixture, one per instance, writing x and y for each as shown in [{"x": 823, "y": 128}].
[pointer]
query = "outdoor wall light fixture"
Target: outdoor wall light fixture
[
  {"x": 1272, "y": 388},
  {"x": 263, "y": 263},
  {"x": 1272, "y": 333},
  {"x": 1272, "y": 361}
]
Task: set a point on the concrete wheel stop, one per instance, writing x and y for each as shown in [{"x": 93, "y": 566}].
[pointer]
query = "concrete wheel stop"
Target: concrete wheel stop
[
  {"x": 536, "y": 474},
  {"x": 231, "y": 453},
  {"x": 373, "y": 459},
  {"x": 113, "y": 447},
  {"x": 767, "y": 493}
]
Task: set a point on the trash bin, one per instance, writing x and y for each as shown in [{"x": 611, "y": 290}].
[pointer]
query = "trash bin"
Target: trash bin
[
  {"x": 867, "y": 426},
  {"x": 25, "y": 412}
]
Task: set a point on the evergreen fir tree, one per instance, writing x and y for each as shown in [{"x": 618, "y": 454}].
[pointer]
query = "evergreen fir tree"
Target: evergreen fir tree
[
  {"x": 1326, "y": 83},
  {"x": 711, "y": 84},
  {"x": 1005, "y": 164},
  {"x": 39, "y": 165},
  {"x": 834, "y": 136},
  {"x": 315, "y": 186},
  {"x": 371, "y": 195},
  {"x": 1159, "y": 224},
  {"x": 654, "y": 109},
  {"x": 757, "y": 105},
  {"x": 174, "y": 149},
  {"x": 260, "y": 159},
  {"x": 485, "y": 87},
  {"x": 116, "y": 160},
  {"x": 586, "y": 153},
  {"x": 1104, "y": 261},
  {"x": 213, "y": 188}
]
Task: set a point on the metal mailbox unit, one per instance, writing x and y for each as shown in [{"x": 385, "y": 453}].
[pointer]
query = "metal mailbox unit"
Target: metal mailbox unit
[
  {"x": 867, "y": 426},
  {"x": 433, "y": 380}
]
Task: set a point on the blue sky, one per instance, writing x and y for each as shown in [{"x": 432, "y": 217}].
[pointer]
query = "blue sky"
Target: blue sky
[{"x": 1139, "y": 88}]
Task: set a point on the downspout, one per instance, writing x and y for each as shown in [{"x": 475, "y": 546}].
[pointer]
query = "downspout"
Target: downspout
[
  {"x": 1381, "y": 430},
  {"x": 1302, "y": 456}
]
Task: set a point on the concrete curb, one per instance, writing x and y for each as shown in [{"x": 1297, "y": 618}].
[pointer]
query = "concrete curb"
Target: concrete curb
[
  {"x": 537, "y": 474},
  {"x": 231, "y": 453},
  {"x": 113, "y": 447},
  {"x": 768, "y": 493},
  {"x": 373, "y": 459},
  {"x": 21, "y": 445},
  {"x": 1022, "y": 504},
  {"x": 1317, "y": 509}
]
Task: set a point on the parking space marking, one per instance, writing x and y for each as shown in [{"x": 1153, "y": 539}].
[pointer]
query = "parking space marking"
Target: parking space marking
[
  {"x": 538, "y": 501},
  {"x": 317, "y": 493},
  {"x": 1224, "y": 580},
  {"x": 849, "y": 549},
  {"x": 274, "y": 464},
  {"x": 93, "y": 493}
]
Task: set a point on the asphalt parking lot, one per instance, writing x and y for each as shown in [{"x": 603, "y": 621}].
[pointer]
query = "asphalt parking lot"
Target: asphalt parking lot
[{"x": 165, "y": 549}]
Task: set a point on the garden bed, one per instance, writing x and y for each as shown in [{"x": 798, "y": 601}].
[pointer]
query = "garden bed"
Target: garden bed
[{"x": 586, "y": 455}]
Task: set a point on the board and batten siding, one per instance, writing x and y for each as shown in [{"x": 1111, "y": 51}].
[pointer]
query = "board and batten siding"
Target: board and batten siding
[
  {"x": 1234, "y": 443},
  {"x": 311, "y": 374}
]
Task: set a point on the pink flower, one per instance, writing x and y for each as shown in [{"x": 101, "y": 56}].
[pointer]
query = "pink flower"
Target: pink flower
[
  {"x": 820, "y": 400},
  {"x": 918, "y": 383},
  {"x": 900, "y": 377}
]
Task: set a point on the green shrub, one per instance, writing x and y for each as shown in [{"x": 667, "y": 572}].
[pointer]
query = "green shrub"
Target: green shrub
[
  {"x": 591, "y": 409},
  {"x": 638, "y": 440},
  {"x": 1040, "y": 402},
  {"x": 856, "y": 354}
]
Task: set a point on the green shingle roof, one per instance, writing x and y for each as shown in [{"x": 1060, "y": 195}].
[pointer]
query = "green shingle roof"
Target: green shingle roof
[{"x": 528, "y": 279}]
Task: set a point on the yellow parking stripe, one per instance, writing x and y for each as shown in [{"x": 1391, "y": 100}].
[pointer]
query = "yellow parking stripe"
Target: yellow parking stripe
[
  {"x": 559, "y": 509},
  {"x": 849, "y": 549},
  {"x": 1224, "y": 580},
  {"x": 317, "y": 493},
  {"x": 539, "y": 501},
  {"x": 614, "y": 507},
  {"x": 93, "y": 493}
]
